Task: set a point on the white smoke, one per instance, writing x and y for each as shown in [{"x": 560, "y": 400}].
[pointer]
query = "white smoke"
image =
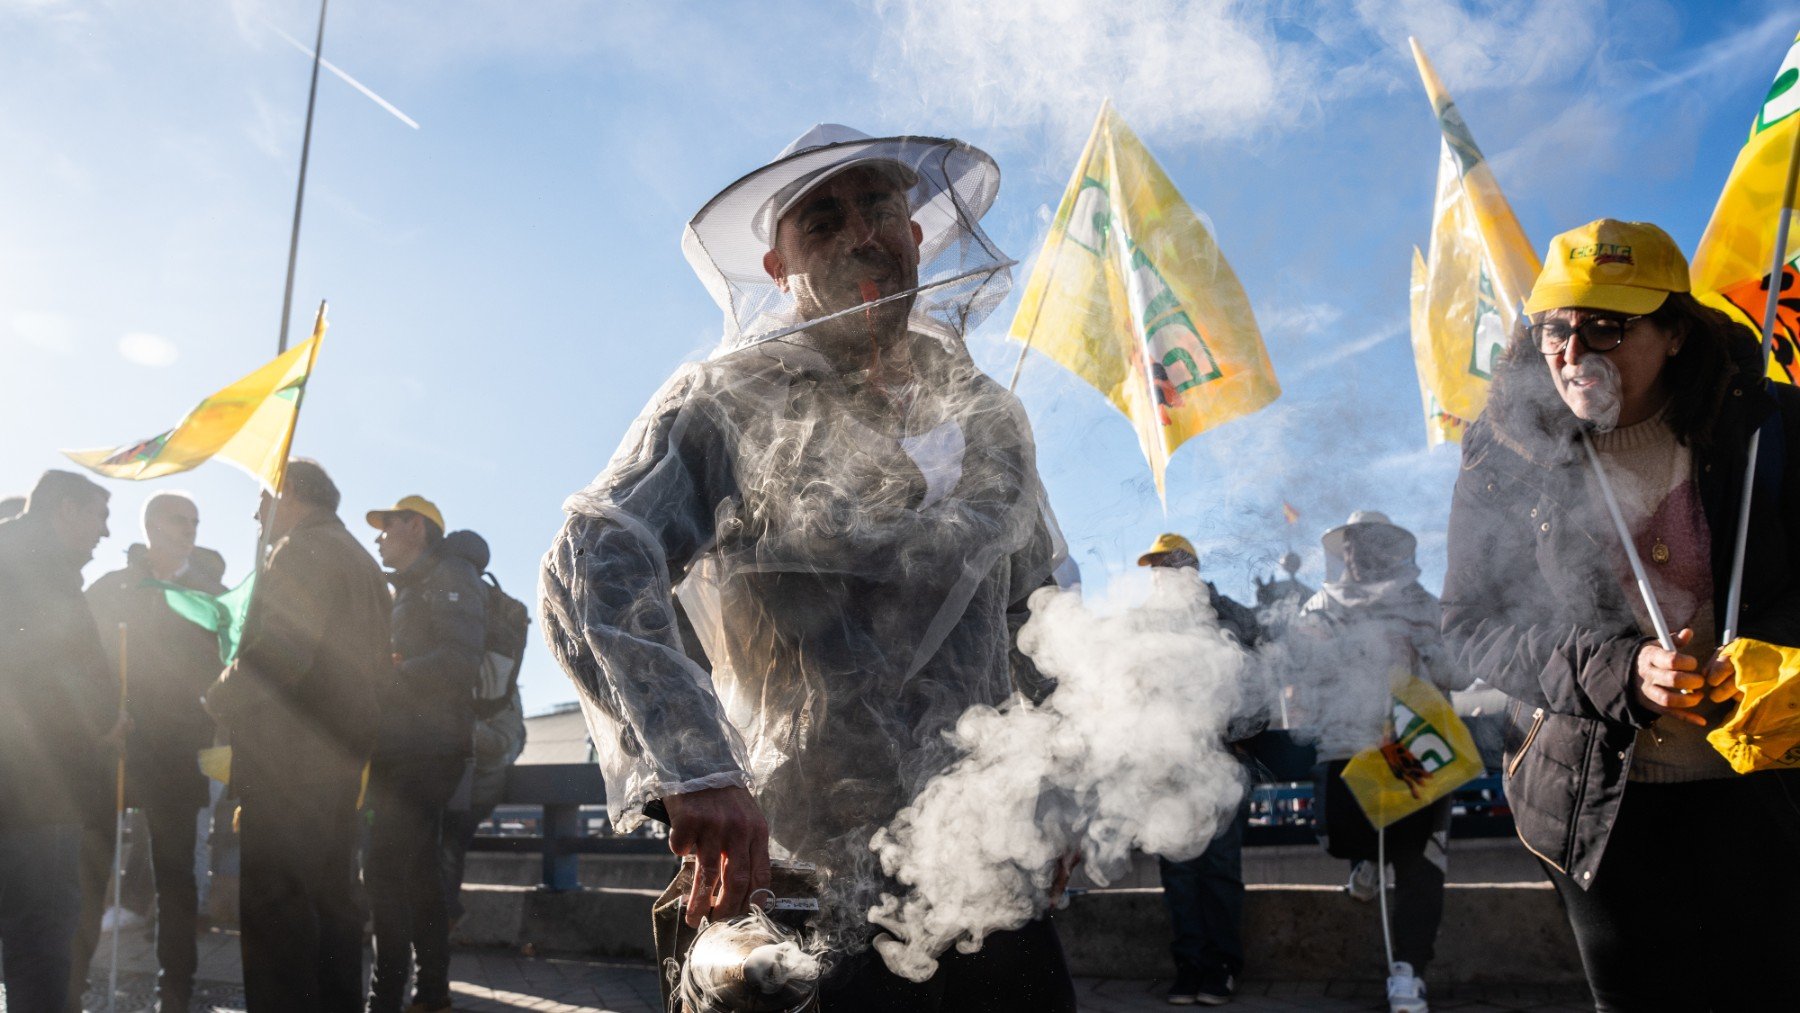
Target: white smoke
[
  {"x": 1128, "y": 752},
  {"x": 1601, "y": 401}
]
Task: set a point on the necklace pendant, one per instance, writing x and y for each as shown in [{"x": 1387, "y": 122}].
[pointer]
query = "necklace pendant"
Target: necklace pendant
[{"x": 1659, "y": 553}]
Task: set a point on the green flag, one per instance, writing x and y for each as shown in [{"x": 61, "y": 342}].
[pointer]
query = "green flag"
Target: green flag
[{"x": 221, "y": 614}]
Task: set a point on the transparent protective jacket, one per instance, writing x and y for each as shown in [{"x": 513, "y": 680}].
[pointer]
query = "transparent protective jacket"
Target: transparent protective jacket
[{"x": 854, "y": 577}]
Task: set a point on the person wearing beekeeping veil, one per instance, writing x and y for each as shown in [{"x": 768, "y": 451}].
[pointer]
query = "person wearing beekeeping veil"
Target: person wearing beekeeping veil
[
  {"x": 849, "y": 514},
  {"x": 1370, "y": 619}
]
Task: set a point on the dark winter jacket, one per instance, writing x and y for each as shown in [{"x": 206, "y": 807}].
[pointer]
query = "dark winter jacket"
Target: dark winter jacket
[
  {"x": 301, "y": 700},
  {"x": 57, "y": 695},
  {"x": 172, "y": 661},
  {"x": 1533, "y": 606},
  {"x": 439, "y": 630}
]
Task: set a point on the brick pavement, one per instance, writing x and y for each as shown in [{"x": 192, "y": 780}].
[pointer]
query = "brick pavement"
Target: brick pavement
[{"x": 502, "y": 981}]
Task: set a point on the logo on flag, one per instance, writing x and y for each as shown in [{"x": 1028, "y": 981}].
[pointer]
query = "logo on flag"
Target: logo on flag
[{"x": 1132, "y": 294}]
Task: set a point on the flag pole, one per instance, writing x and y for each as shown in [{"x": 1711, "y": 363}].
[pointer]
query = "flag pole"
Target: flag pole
[
  {"x": 1663, "y": 639},
  {"x": 312, "y": 95},
  {"x": 118, "y": 864},
  {"x": 287, "y": 446},
  {"x": 1080, "y": 171},
  {"x": 1784, "y": 217}
]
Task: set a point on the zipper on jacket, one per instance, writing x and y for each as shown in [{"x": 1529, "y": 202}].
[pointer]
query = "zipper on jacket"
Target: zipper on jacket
[{"x": 1537, "y": 719}]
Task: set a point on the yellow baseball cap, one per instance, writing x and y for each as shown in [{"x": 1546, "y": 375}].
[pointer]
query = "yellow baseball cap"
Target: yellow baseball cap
[
  {"x": 1625, "y": 267},
  {"x": 409, "y": 504},
  {"x": 1165, "y": 544}
]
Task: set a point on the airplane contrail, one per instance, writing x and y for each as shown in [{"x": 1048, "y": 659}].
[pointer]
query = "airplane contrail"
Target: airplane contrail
[{"x": 347, "y": 79}]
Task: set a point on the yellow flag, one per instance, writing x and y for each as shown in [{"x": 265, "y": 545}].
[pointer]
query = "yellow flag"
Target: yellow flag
[
  {"x": 1764, "y": 732},
  {"x": 249, "y": 424},
  {"x": 1429, "y": 754},
  {"x": 1468, "y": 290},
  {"x": 1440, "y": 426},
  {"x": 1132, "y": 294},
  {"x": 1731, "y": 265}
]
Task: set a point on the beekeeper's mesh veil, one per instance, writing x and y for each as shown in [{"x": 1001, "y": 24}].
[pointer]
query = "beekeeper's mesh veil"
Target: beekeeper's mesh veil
[
  {"x": 852, "y": 558},
  {"x": 962, "y": 275}
]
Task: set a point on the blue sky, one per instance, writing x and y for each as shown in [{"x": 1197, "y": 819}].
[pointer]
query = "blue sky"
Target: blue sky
[{"x": 506, "y": 284}]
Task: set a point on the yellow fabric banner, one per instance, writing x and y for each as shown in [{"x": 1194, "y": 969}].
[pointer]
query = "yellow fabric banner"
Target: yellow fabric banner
[
  {"x": 1132, "y": 294},
  {"x": 1764, "y": 732},
  {"x": 1429, "y": 754},
  {"x": 1440, "y": 426},
  {"x": 1468, "y": 289},
  {"x": 1731, "y": 265},
  {"x": 249, "y": 424}
]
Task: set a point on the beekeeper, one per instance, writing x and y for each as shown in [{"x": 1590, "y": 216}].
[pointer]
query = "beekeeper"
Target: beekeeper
[
  {"x": 1642, "y": 826},
  {"x": 1370, "y": 618},
  {"x": 849, "y": 514}
]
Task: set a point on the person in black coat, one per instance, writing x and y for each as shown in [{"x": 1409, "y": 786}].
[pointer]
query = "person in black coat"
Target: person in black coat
[
  {"x": 172, "y": 661},
  {"x": 1655, "y": 844},
  {"x": 427, "y": 733},
  {"x": 302, "y": 703},
  {"x": 58, "y": 700}
]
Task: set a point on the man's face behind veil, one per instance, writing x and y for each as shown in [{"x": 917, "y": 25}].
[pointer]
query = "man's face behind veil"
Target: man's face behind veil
[{"x": 851, "y": 238}]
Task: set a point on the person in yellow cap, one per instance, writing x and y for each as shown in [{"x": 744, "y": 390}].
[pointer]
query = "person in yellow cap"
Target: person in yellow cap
[
  {"x": 1655, "y": 845},
  {"x": 1205, "y": 894},
  {"x": 427, "y": 731}
]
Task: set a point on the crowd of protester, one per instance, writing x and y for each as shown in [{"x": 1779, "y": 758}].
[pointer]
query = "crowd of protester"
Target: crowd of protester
[
  {"x": 855, "y": 522},
  {"x": 355, "y": 697}
]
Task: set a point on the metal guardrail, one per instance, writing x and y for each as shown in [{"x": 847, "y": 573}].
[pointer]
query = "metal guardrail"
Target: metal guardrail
[{"x": 1281, "y": 809}]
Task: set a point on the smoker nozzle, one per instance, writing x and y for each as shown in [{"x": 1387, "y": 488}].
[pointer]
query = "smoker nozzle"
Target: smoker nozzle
[{"x": 749, "y": 964}]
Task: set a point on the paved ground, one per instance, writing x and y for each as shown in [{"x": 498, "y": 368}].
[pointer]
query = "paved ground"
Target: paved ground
[{"x": 499, "y": 981}]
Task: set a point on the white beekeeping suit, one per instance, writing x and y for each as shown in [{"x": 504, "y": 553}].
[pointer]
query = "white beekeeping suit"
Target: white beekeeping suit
[
  {"x": 854, "y": 576},
  {"x": 1354, "y": 632}
]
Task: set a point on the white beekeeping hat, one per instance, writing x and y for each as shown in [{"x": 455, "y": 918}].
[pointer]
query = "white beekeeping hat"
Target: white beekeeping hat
[{"x": 949, "y": 185}]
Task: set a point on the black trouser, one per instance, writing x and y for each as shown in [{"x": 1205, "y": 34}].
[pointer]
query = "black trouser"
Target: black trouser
[
  {"x": 1694, "y": 904},
  {"x": 301, "y": 937},
  {"x": 40, "y": 898},
  {"x": 172, "y": 839},
  {"x": 1415, "y": 846},
  {"x": 460, "y": 826},
  {"x": 1022, "y": 971},
  {"x": 405, "y": 879},
  {"x": 1205, "y": 898}
]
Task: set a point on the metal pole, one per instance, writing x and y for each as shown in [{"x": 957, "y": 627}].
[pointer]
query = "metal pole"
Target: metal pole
[
  {"x": 1663, "y": 638},
  {"x": 118, "y": 865},
  {"x": 1734, "y": 597},
  {"x": 312, "y": 95}
]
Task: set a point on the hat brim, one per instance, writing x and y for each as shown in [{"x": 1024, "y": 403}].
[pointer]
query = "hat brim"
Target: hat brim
[
  {"x": 722, "y": 239},
  {"x": 378, "y": 518},
  {"x": 1333, "y": 540},
  {"x": 1628, "y": 299}
]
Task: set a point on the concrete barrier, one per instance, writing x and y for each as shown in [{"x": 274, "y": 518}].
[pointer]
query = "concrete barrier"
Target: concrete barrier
[{"x": 1493, "y": 933}]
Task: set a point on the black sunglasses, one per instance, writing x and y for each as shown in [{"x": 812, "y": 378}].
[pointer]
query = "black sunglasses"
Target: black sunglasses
[{"x": 1598, "y": 333}]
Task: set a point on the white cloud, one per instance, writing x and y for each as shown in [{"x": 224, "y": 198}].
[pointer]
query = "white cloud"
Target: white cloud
[
  {"x": 152, "y": 350},
  {"x": 1351, "y": 349},
  {"x": 52, "y": 332},
  {"x": 1200, "y": 70},
  {"x": 1492, "y": 44},
  {"x": 1298, "y": 319}
]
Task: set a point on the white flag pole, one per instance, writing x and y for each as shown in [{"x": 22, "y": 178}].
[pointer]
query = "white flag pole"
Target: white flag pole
[{"x": 1663, "y": 638}]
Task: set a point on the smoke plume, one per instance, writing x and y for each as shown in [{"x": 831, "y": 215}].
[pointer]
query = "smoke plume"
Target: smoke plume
[{"x": 1128, "y": 752}]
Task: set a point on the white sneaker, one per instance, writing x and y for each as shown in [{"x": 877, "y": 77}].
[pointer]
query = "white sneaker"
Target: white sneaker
[
  {"x": 1365, "y": 881},
  {"x": 1406, "y": 993}
]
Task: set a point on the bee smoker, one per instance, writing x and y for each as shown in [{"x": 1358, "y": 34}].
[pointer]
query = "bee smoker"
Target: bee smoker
[{"x": 757, "y": 963}]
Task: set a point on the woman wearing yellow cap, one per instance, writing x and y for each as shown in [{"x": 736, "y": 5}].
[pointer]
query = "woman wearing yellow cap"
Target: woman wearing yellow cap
[{"x": 1679, "y": 876}]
